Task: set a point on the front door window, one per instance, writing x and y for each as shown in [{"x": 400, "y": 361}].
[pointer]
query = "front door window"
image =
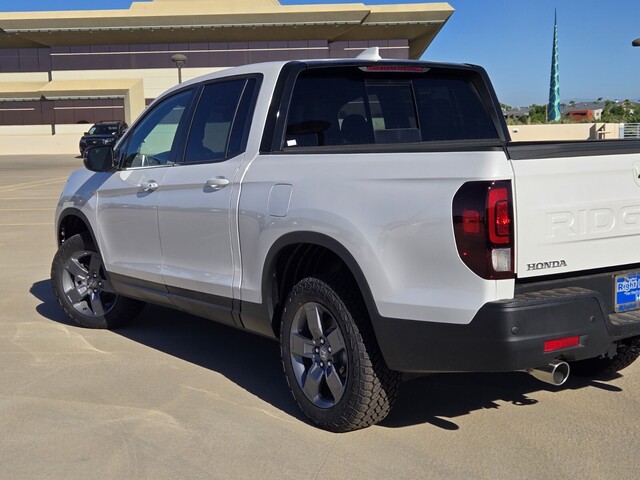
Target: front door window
[{"x": 152, "y": 141}]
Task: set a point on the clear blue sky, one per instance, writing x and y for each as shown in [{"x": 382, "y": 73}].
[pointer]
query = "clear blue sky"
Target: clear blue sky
[{"x": 512, "y": 40}]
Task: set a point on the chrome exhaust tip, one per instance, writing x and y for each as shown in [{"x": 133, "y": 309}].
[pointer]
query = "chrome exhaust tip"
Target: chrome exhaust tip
[{"x": 556, "y": 373}]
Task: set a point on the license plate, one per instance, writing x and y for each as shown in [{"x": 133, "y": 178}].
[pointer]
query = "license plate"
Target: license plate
[{"x": 627, "y": 296}]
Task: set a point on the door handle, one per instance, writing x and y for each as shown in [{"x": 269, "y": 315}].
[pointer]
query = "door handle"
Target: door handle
[
  {"x": 217, "y": 183},
  {"x": 149, "y": 186}
]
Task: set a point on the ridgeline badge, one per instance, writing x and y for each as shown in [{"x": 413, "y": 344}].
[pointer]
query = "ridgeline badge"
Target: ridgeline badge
[{"x": 546, "y": 265}]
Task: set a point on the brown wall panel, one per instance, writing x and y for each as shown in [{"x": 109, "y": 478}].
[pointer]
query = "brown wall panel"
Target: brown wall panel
[
  {"x": 63, "y": 117},
  {"x": 212, "y": 54},
  {"x": 60, "y": 111},
  {"x": 100, "y": 48},
  {"x": 13, "y": 117},
  {"x": 9, "y": 61}
]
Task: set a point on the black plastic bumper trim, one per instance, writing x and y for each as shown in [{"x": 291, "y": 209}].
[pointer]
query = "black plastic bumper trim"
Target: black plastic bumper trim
[{"x": 505, "y": 335}]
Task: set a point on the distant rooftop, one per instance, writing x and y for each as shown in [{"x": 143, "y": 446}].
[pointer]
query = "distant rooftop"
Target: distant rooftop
[{"x": 175, "y": 21}]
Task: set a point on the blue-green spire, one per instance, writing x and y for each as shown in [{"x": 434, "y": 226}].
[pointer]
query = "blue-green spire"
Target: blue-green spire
[{"x": 553, "y": 111}]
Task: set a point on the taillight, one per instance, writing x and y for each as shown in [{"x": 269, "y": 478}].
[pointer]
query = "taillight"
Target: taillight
[
  {"x": 483, "y": 228},
  {"x": 499, "y": 218}
]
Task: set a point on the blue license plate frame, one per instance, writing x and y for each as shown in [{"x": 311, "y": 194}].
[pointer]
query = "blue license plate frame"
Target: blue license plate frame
[{"x": 626, "y": 294}]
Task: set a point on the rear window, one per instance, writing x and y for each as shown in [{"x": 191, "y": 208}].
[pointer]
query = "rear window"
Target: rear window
[{"x": 333, "y": 106}]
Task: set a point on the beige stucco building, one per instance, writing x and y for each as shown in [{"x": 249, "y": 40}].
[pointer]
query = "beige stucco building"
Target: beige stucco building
[{"x": 61, "y": 70}]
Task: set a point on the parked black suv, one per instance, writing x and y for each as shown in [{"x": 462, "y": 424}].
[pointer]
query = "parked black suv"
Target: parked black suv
[{"x": 102, "y": 133}]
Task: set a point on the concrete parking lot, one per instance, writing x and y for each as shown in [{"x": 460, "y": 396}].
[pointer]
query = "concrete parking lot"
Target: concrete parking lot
[{"x": 173, "y": 396}]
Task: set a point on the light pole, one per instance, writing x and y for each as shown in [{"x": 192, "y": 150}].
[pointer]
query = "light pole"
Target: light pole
[
  {"x": 636, "y": 42},
  {"x": 179, "y": 59}
]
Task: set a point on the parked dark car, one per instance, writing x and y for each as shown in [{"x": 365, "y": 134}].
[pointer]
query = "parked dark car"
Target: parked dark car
[{"x": 102, "y": 133}]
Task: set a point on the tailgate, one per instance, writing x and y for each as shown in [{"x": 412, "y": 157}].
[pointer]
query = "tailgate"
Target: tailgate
[{"x": 577, "y": 206}]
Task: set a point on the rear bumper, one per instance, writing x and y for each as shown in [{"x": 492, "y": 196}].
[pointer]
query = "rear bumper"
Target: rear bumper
[{"x": 507, "y": 335}]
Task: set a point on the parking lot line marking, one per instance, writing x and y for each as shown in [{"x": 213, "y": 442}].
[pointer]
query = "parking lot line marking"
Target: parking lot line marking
[
  {"x": 25, "y": 224},
  {"x": 36, "y": 183},
  {"x": 26, "y": 209},
  {"x": 29, "y": 198}
]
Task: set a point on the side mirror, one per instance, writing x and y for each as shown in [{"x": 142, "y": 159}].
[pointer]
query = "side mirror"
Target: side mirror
[
  {"x": 99, "y": 159},
  {"x": 86, "y": 133}
]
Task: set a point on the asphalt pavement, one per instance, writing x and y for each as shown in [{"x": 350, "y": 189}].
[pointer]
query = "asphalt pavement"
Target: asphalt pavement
[{"x": 173, "y": 396}]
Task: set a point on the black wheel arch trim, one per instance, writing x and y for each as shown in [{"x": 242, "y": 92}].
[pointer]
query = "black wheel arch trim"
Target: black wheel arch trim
[
  {"x": 74, "y": 212},
  {"x": 322, "y": 240}
]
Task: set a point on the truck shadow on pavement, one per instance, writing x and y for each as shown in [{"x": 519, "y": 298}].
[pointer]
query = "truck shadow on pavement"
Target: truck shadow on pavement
[
  {"x": 250, "y": 361},
  {"x": 253, "y": 363},
  {"x": 436, "y": 399}
]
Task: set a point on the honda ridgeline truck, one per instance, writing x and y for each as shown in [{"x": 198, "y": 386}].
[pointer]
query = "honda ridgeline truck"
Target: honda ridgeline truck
[{"x": 372, "y": 216}]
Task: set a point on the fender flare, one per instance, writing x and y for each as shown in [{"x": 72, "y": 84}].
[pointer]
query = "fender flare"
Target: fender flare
[
  {"x": 74, "y": 212},
  {"x": 330, "y": 244}
]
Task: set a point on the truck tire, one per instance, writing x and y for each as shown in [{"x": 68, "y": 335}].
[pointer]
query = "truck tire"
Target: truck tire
[
  {"x": 627, "y": 354},
  {"x": 83, "y": 290},
  {"x": 331, "y": 359}
]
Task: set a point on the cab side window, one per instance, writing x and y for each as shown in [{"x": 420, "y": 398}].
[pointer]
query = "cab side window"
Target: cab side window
[
  {"x": 220, "y": 121},
  {"x": 152, "y": 141}
]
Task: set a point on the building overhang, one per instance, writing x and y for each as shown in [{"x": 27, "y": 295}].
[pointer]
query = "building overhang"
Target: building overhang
[
  {"x": 21, "y": 90},
  {"x": 129, "y": 89},
  {"x": 170, "y": 21},
  {"x": 66, "y": 88}
]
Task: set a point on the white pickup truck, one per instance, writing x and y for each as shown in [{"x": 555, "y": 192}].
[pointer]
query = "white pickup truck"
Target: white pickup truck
[{"x": 373, "y": 216}]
